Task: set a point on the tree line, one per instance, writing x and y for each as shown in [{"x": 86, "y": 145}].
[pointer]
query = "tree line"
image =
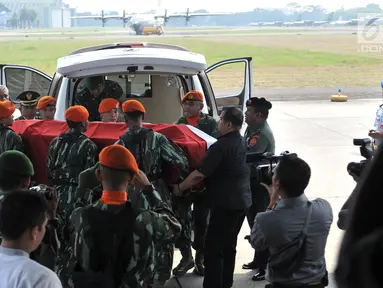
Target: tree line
[{"x": 26, "y": 18}]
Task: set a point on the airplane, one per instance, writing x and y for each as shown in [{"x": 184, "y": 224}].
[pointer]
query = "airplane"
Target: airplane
[{"x": 147, "y": 23}]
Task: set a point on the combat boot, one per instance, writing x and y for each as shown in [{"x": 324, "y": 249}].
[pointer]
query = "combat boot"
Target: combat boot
[
  {"x": 187, "y": 262},
  {"x": 199, "y": 265}
]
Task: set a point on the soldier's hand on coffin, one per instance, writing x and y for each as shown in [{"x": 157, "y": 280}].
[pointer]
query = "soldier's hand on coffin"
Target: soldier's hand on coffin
[
  {"x": 140, "y": 180},
  {"x": 51, "y": 197},
  {"x": 176, "y": 190}
]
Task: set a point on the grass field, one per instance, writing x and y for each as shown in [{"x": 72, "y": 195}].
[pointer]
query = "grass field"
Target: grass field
[{"x": 278, "y": 60}]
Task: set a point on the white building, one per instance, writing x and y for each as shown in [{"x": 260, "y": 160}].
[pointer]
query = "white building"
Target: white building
[{"x": 50, "y": 13}]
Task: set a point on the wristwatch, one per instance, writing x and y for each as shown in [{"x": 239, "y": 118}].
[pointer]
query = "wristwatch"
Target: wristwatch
[{"x": 272, "y": 207}]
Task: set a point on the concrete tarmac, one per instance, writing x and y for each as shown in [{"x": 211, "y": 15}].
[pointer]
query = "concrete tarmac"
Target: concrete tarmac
[
  {"x": 309, "y": 93},
  {"x": 321, "y": 133}
]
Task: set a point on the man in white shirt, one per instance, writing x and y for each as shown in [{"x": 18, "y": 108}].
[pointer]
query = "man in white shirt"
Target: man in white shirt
[{"x": 23, "y": 217}]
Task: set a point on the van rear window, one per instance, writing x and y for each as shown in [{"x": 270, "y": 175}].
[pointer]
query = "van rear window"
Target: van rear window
[{"x": 125, "y": 86}]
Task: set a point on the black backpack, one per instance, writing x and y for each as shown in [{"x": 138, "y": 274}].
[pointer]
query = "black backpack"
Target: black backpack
[
  {"x": 107, "y": 247},
  {"x": 287, "y": 260}
]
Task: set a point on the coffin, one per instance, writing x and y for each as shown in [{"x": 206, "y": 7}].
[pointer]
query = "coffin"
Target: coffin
[{"x": 37, "y": 135}]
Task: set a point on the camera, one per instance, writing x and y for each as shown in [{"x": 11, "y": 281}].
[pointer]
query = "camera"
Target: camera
[
  {"x": 43, "y": 189},
  {"x": 263, "y": 164},
  {"x": 366, "y": 151}
]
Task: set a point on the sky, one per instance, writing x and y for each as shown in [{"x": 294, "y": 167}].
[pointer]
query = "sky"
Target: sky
[{"x": 139, "y": 6}]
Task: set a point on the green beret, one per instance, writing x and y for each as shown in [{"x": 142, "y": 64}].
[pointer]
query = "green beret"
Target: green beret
[
  {"x": 93, "y": 82},
  {"x": 14, "y": 161},
  {"x": 258, "y": 102}
]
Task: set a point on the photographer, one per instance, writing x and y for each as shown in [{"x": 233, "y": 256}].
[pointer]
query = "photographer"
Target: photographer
[
  {"x": 354, "y": 170},
  {"x": 259, "y": 139},
  {"x": 16, "y": 171},
  {"x": 295, "y": 229}
]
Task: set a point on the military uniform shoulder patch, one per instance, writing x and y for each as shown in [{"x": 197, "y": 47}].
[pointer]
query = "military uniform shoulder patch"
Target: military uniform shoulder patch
[{"x": 253, "y": 141}]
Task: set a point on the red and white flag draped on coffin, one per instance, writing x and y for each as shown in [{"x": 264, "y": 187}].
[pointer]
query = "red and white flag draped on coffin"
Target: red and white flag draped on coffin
[{"x": 38, "y": 134}]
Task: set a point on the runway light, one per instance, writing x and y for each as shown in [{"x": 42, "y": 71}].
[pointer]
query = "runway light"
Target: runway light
[{"x": 340, "y": 97}]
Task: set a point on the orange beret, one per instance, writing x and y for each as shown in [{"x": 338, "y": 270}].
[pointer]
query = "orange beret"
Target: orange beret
[
  {"x": 133, "y": 105},
  {"x": 6, "y": 109},
  {"x": 45, "y": 101},
  {"x": 118, "y": 157},
  {"x": 77, "y": 113},
  {"x": 192, "y": 96},
  {"x": 108, "y": 104}
]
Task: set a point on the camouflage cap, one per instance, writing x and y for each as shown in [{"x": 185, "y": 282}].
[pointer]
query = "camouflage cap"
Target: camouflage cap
[
  {"x": 93, "y": 82},
  {"x": 14, "y": 161}
]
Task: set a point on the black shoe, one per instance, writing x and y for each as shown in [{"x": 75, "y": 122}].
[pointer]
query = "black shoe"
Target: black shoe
[
  {"x": 199, "y": 264},
  {"x": 259, "y": 276},
  {"x": 187, "y": 262},
  {"x": 250, "y": 266}
]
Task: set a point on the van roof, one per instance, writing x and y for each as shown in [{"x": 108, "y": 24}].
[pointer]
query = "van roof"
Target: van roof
[
  {"x": 128, "y": 45},
  {"x": 118, "y": 60}
]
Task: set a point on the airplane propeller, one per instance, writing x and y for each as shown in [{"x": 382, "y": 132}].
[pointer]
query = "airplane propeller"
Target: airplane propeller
[
  {"x": 187, "y": 18},
  {"x": 103, "y": 19},
  {"x": 166, "y": 18}
]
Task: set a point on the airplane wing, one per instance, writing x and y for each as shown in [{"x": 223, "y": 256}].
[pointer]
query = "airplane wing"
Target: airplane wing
[
  {"x": 100, "y": 17},
  {"x": 183, "y": 15}
]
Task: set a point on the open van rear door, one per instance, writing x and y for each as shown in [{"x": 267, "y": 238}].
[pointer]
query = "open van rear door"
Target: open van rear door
[
  {"x": 23, "y": 78},
  {"x": 237, "y": 91}
]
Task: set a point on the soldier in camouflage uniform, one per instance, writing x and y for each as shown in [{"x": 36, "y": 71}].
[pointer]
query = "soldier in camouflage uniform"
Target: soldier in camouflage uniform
[
  {"x": 117, "y": 169},
  {"x": 95, "y": 90},
  {"x": 89, "y": 187},
  {"x": 46, "y": 107},
  {"x": 28, "y": 103},
  {"x": 16, "y": 171},
  {"x": 153, "y": 151},
  {"x": 108, "y": 110},
  {"x": 259, "y": 139},
  {"x": 192, "y": 104},
  {"x": 9, "y": 140},
  {"x": 68, "y": 155}
]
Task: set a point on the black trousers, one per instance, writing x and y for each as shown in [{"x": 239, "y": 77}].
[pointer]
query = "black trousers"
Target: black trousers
[
  {"x": 220, "y": 247},
  {"x": 200, "y": 217},
  {"x": 261, "y": 199}
]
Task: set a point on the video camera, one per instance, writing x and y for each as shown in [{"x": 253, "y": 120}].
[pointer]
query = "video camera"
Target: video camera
[
  {"x": 43, "y": 189},
  {"x": 264, "y": 164},
  {"x": 366, "y": 151}
]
